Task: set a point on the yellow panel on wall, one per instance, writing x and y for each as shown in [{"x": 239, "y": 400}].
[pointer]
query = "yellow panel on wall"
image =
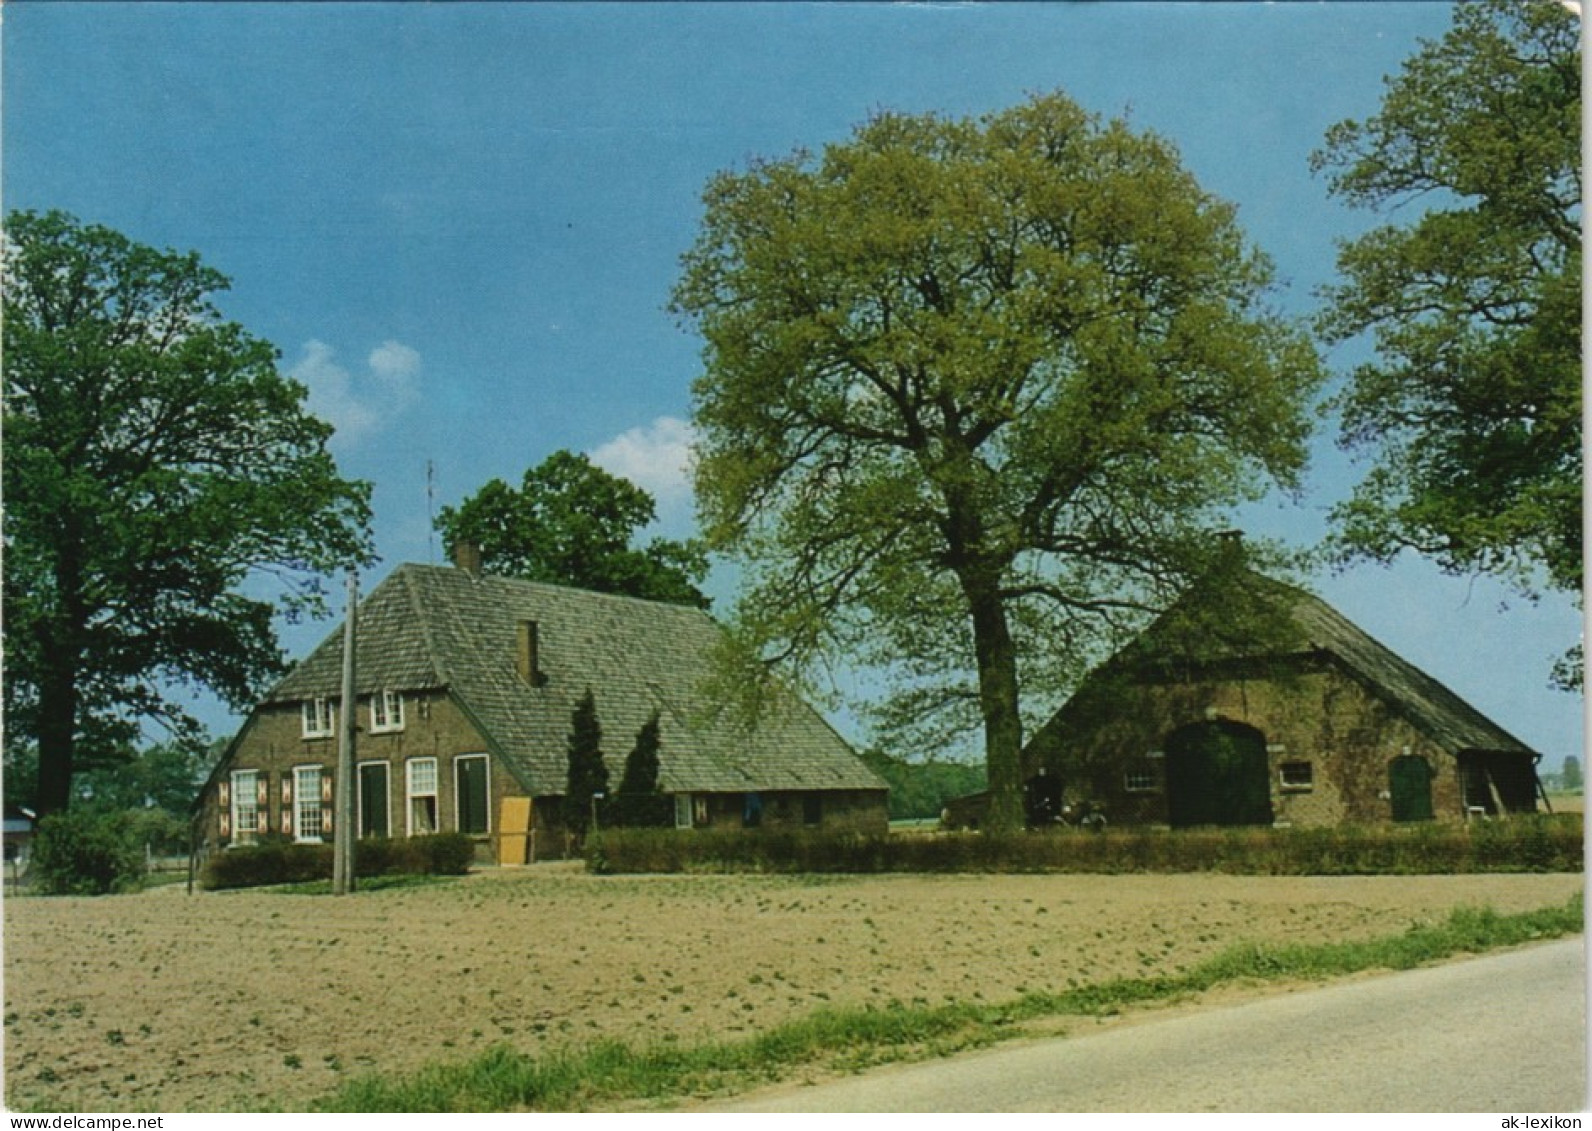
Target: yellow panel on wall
[{"x": 514, "y": 830}]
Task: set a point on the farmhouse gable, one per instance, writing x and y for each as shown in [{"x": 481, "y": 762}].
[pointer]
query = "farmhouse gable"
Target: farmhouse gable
[{"x": 466, "y": 685}]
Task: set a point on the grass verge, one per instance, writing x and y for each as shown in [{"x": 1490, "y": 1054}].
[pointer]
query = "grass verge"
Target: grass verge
[{"x": 612, "y": 1074}]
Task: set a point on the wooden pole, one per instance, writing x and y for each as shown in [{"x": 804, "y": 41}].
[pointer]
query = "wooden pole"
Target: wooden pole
[{"x": 343, "y": 782}]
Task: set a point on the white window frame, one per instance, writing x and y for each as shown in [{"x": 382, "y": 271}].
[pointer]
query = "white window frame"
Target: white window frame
[
  {"x": 411, "y": 795},
  {"x": 458, "y": 799},
  {"x": 1142, "y": 780},
  {"x": 359, "y": 796},
  {"x": 682, "y": 811},
  {"x": 240, "y": 835},
  {"x": 1306, "y": 785},
  {"x": 307, "y": 802},
  {"x": 386, "y": 712},
  {"x": 319, "y": 717}
]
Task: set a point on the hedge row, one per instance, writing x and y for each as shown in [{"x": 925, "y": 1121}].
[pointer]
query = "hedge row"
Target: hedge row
[
  {"x": 275, "y": 861},
  {"x": 1520, "y": 844}
]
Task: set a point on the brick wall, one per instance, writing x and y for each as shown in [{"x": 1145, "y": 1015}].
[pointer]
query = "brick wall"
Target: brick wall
[
  {"x": 1320, "y": 718},
  {"x": 273, "y": 742}
]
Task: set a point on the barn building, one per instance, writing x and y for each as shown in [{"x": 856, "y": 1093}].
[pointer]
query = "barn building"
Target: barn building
[{"x": 1263, "y": 705}]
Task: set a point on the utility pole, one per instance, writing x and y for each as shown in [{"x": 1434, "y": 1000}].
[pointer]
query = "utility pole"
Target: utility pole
[{"x": 343, "y": 782}]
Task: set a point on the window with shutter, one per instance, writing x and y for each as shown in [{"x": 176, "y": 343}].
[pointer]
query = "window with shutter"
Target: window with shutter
[
  {"x": 246, "y": 809},
  {"x": 309, "y": 808}
]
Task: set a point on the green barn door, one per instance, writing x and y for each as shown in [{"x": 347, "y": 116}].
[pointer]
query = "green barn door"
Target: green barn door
[
  {"x": 1410, "y": 785},
  {"x": 1216, "y": 774}
]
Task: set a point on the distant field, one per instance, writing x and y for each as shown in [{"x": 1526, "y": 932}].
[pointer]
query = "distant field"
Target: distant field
[
  {"x": 1567, "y": 802},
  {"x": 242, "y": 1000}
]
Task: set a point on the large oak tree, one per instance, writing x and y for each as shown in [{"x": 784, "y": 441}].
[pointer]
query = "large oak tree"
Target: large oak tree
[
  {"x": 973, "y": 388},
  {"x": 155, "y": 460},
  {"x": 1471, "y": 404}
]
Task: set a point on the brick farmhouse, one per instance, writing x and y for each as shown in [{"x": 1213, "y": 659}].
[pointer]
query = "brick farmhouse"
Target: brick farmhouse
[{"x": 466, "y": 686}]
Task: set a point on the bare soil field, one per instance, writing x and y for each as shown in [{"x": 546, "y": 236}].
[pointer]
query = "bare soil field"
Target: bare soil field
[{"x": 236, "y": 1001}]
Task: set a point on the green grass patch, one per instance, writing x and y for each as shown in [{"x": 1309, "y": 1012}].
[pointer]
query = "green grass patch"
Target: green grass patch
[{"x": 612, "y": 1073}]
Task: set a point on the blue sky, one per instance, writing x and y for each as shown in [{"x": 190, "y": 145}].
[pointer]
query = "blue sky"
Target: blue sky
[{"x": 460, "y": 223}]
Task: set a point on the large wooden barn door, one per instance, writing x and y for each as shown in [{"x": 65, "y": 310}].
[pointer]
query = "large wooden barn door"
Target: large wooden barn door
[
  {"x": 1409, "y": 783},
  {"x": 1216, "y": 774}
]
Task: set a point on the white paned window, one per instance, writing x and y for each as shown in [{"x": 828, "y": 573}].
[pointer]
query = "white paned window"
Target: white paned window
[
  {"x": 1140, "y": 778},
  {"x": 245, "y": 805},
  {"x": 308, "y": 816},
  {"x": 420, "y": 778},
  {"x": 386, "y": 712},
  {"x": 320, "y": 718},
  {"x": 682, "y": 810}
]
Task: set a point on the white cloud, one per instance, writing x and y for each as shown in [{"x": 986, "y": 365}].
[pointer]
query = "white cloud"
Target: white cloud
[
  {"x": 397, "y": 368},
  {"x": 359, "y": 405},
  {"x": 656, "y": 458}
]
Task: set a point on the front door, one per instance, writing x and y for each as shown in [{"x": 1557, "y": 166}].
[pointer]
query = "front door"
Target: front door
[{"x": 373, "y": 795}]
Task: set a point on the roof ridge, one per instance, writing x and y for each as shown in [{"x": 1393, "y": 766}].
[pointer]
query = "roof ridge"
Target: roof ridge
[
  {"x": 454, "y": 572},
  {"x": 406, "y": 574}
]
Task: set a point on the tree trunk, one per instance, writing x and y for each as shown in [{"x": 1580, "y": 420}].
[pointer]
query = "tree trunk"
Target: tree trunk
[
  {"x": 57, "y": 733},
  {"x": 996, "y": 656},
  {"x": 58, "y": 636}
]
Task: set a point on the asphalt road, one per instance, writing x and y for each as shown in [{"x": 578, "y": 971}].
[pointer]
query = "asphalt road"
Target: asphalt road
[{"x": 1504, "y": 1033}]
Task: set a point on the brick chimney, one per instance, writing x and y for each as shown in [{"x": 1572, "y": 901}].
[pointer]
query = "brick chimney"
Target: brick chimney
[
  {"x": 467, "y": 556},
  {"x": 528, "y": 654}
]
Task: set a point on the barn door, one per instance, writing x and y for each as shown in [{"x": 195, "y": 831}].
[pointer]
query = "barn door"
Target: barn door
[
  {"x": 1216, "y": 774},
  {"x": 1409, "y": 783}
]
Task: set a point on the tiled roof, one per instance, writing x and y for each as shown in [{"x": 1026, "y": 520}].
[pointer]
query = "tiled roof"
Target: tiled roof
[
  {"x": 434, "y": 627},
  {"x": 1258, "y": 620}
]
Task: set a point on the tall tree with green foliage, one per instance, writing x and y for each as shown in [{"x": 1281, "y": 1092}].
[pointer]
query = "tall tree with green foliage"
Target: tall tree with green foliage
[
  {"x": 572, "y": 523},
  {"x": 155, "y": 459},
  {"x": 974, "y": 389},
  {"x": 588, "y": 776},
  {"x": 639, "y": 802},
  {"x": 1471, "y": 404}
]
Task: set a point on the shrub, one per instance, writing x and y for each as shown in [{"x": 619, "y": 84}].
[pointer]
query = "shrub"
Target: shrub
[
  {"x": 86, "y": 853},
  {"x": 1521, "y": 843},
  {"x": 277, "y": 860}
]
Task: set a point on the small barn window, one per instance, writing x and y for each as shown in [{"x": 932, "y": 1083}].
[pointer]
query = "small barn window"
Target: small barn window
[
  {"x": 245, "y": 804},
  {"x": 1141, "y": 778},
  {"x": 420, "y": 778},
  {"x": 1297, "y": 776},
  {"x": 752, "y": 810},
  {"x": 386, "y": 712},
  {"x": 682, "y": 810},
  {"x": 320, "y": 718}
]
